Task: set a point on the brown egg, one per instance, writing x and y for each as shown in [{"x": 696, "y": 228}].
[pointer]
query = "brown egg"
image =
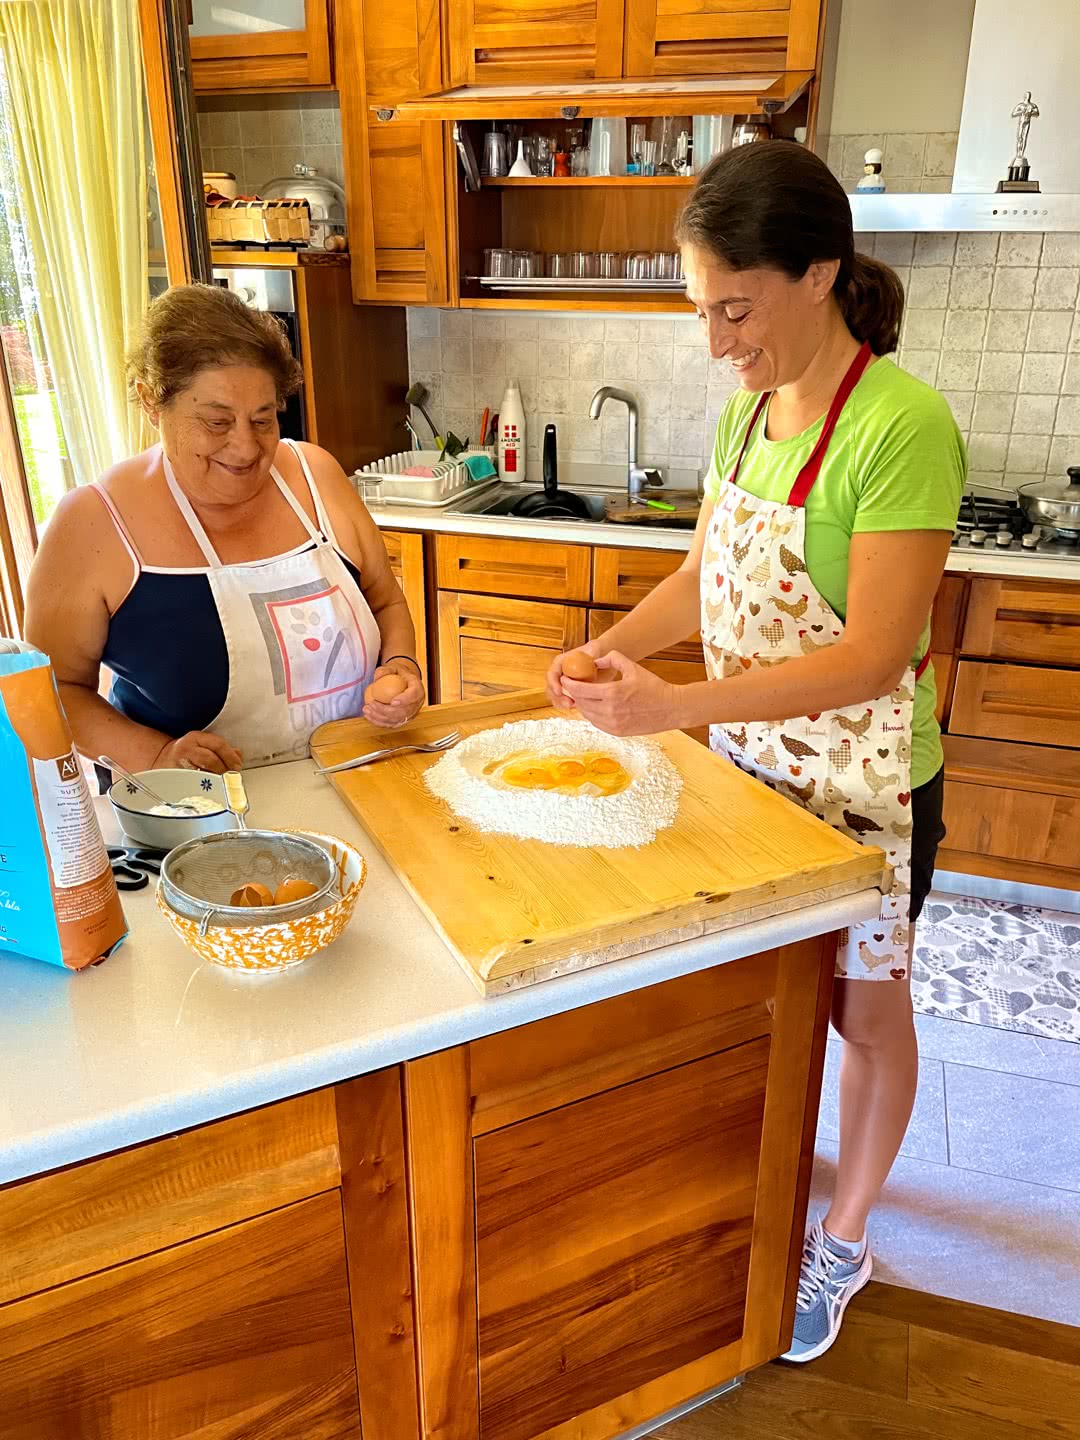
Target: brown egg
[
  {"x": 251, "y": 895},
  {"x": 293, "y": 888},
  {"x": 386, "y": 689},
  {"x": 579, "y": 666}
]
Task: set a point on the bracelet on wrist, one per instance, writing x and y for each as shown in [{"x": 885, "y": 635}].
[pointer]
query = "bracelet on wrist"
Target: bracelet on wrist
[{"x": 409, "y": 658}]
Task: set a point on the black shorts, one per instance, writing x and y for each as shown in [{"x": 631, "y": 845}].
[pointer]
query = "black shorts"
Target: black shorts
[{"x": 927, "y": 833}]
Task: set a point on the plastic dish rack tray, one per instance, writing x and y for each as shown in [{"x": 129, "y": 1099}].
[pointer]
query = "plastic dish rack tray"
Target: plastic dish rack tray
[{"x": 382, "y": 482}]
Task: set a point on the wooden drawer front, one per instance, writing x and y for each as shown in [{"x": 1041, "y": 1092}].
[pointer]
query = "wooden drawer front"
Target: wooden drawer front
[
  {"x": 688, "y": 37},
  {"x": 489, "y": 645},
  {"x": 503, "y": 42},
  {"x": 1012, "y": 824},
  {"x": 538, "y": 569},
  {"x": 551, "y": 1063},
  {"x": 78, "y": 1221},
  {"x": 1026, "y": 620},
  {"x": 1017, "y": 702},
  {"x": 623, "y": 577},
  {"x": 244, "y": 1332},
  {"x": 615, "y": 1235}
]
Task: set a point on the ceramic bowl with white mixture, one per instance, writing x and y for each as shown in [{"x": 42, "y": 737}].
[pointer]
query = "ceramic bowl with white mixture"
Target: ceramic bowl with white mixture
[{"x": 134, "y": 808}]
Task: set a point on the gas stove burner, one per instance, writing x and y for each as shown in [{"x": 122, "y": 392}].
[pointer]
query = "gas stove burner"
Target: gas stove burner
[{"x": 996, "y": 524}]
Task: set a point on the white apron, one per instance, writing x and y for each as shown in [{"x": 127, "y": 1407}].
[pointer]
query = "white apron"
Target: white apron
[
  {"x": 851, "y": 767},
  {"x": 302, "y": 641}
]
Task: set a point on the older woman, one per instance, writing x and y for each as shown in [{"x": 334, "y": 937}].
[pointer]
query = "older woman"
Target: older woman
[{"x": 233, "y": 583}]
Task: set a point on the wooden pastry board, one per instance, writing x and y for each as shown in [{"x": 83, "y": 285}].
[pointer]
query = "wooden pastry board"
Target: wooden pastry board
[{"x": 518, "y": 911}]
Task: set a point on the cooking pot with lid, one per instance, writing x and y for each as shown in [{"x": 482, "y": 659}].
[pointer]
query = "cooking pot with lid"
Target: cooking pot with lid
[
  {"x": 326, "y": 200},
  {"x": 1053, "y": 503}
]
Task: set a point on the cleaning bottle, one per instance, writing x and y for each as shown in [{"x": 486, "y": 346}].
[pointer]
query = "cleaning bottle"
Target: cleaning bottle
[{"x": 512, "y": 434}]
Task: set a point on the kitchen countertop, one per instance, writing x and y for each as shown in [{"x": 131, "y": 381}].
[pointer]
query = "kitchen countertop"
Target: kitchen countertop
[
  {"x": 651, "y": 537},
  {"x": 152, "y": 1041}
]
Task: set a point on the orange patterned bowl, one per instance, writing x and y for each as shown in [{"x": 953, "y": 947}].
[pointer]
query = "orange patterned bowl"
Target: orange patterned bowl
[{"x": 268, "y": 949}]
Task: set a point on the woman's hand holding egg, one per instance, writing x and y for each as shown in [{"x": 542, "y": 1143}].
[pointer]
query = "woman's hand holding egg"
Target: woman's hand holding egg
[
  {"x": 640, "y": 704},
  {"x": 578, "y": 665},
  {"x": 395, "y": 695}
]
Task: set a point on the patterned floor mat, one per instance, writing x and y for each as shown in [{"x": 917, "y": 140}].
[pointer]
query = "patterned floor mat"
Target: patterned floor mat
[{"x": 1014, "y": 967}]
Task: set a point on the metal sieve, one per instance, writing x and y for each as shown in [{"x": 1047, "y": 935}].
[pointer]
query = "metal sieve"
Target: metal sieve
[{"x": 199, "y": 878}]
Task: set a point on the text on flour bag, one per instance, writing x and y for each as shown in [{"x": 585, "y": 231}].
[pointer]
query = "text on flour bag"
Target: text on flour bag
[{"x": 58, "y": 899}]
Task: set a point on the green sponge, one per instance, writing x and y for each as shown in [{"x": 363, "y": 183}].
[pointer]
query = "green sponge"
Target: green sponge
[{"x": 479, "y": 467}]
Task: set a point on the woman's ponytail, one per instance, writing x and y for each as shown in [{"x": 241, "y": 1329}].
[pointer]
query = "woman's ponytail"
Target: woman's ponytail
[{"x": 872, "y": 303}]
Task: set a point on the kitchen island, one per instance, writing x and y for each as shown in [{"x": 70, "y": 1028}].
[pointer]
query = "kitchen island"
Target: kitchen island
[{"x": 359, "y": 1194}]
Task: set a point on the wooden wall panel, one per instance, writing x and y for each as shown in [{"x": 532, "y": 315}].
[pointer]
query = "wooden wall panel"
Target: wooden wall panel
[{"x": 242, "y": 1333}]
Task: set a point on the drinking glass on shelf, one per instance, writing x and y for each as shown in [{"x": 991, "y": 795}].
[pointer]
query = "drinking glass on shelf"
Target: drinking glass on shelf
[
  {"x": 639, "y": 267},
  {"x": 496, "y": 154},
  {"x": 579, "y": 162},
  {"x": 559, "y": 266},
  {"x": 648, "y": 157},
  {"x": 584, "y": 265},
  {"x": 663, "y": 265},
  {"x": 525, "y": 264},
  {"x": 545, "y": 150},
  {"x": 531, "y": 146},
  {"x": 638, "y": 133},
  {"x": 610, "y": 265},
  {"x": 712, "y": 136},
  {"x": 498, "y": 264}
]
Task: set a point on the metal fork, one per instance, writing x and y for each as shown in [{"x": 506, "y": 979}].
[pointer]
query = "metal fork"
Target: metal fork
[{"x": 435, "y": 746}]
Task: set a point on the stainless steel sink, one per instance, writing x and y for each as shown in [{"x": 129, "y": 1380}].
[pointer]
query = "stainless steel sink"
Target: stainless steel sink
[
  {"x": 605, "y": 506},
  {"x": 504, "y": 505}
]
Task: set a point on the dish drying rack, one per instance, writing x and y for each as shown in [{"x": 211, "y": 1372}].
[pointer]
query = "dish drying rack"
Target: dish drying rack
[{"x": 382, "y": 481}]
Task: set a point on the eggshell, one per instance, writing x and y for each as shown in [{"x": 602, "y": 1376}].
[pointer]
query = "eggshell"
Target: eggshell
[
  {"x": 253, "y": 894},
  {"x": 386, "y": 689},
  {"x": 579, "y": 666},
  {"x": 293, "y": 888}
]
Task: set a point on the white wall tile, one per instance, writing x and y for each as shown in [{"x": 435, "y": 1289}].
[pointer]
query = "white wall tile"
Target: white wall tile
[
  {"x": 959, "y": 369},
  {"x": 987, "y": 452},
  {"x": 894, "y": 248},
  {"x": 970, "y": 287},
  {"x": 1041, "y": 374},
  {"x": 1056, "y": 288},
  {"x": 1014, "y": 288},
  {"x": 521, "y": 327},
  {"x": 1070, "y": 385},
  {"x": 586, "y": 360},
  {"x": 553, "y": 357},
  {"x": 1006, "y": 329},
  {"x": 940, "y": 157},
  {"x": 929, "y": 286},
  {"x": 1061, "y": 249},
  {"x": 934, "y": 249},
  {"x": 1028, "y": 454},
  {"x": 922, "y": 329},
  {"x": 621, "y": 331},
  {"x": 1034, "y": 414},
  {"x": 457, "y": 357},
  {"x": 489, "y": 325},
  {"x": 690, "y": 364},
  {"x": 552, "y": 394},
  {"x": 1049, "y": 329},
  {"x": 423, "y": 323},
  {"x": 1067, "y": 420},
  {"x": 923, "y": 364},
  {"x": 1064, "y": 450},
  {"x": 999, "y": 371},
  {"x": 965, "y": 329},
  {"x": 655, "y": 362},
  {"x": 976, "y": 249},
  {"x": 1022, "y": 248},
  {"x": 905, "y": 154},
  {"x": 993, "y": 412},
  {"x": 962, "y": 404},
  {"x": 620, "y": 362}
]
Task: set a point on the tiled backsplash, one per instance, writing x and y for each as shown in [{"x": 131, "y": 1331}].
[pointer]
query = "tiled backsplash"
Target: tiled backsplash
[
  {"x": 991, "y": 320},
  {"x": 911, "y": 163},
  {"x": 262, "y": 137}
]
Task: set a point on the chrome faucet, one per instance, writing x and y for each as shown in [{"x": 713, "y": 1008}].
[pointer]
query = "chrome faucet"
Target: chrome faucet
[{"x": 636, "y": 477}]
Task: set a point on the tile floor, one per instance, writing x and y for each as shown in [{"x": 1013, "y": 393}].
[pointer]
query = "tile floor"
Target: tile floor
[{"x": 984, "y": 1202}]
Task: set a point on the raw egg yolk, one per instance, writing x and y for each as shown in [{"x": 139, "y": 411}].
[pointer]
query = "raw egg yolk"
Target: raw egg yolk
[
  {"x": 569, "y": 769},
  {"x": 386, "y": 689},
  {"x": 251, "y": 895},
  {"x": 604, "y": 765}
]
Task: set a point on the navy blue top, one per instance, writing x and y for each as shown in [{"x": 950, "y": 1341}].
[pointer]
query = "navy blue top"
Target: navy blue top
[{"x": 167, "y": 651}]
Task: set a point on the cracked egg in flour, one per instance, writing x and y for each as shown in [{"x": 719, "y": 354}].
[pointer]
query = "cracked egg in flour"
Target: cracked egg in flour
[{"x": 561, "y": 781}]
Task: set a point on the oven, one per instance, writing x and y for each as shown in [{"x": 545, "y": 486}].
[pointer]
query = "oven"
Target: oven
[{"x": 273, "y": 290}]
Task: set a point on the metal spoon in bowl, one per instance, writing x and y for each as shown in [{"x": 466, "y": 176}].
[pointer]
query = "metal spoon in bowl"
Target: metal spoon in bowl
[{"x": 177, "y": 807}]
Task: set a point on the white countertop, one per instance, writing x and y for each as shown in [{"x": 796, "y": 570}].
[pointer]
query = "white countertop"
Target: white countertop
[
  {"x": 1025, "y": 566},
  {"x": 153, "y": 1041}
]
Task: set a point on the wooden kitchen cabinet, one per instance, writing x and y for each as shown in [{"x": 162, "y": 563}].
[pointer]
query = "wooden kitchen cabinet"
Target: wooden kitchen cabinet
[
  {"x": 489, "y": 645},
  {"x": 1030, "y": 621},
  {"x": 396, "y": 175},
  {"x": 622, "y": 577},
  {"x": 247, "y": 59},
  {"x": 608, "y": 1205},
  {"x": 244, "y": 1331},
  {"x": 720, "y": 37},
  {"x": 1016, "y": 702},
  {"x": 532, "y": 568},
  {"x": 529, "y": 42},
  {"x": 405, "y": 549}
]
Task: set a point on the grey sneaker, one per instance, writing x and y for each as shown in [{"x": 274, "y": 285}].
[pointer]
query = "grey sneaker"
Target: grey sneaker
[{"x": 829, "y": 1279}]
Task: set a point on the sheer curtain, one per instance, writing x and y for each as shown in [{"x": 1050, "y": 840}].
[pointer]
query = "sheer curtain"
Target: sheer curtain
[{"x": 72, "y": 104}]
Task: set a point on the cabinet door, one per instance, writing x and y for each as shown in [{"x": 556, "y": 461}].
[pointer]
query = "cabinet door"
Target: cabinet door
[
  {"x": 260, "y": 45},
  {"x": 1017, "y": 702},
  {"x": 1025, "y": 620},
  {"x": 489, "y": 645},
  {"x": 623, "y": 577},
  {"x": 716, "y": 37},
  {"x": 244, "y": 1332},
  {"x": 504, "y": 42},
  {"x": 946, "y": 622},
  {"x": 530, "y": 568},
  {"x": 406, "y": 552},
  {"x": 395, "y": 170}
]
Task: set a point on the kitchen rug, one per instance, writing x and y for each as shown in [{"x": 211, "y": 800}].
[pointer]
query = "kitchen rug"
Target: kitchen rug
[{"x": 1013, "y": 967}]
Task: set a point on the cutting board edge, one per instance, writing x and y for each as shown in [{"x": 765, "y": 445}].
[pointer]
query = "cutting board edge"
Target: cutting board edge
[
  {"x": 864, "y": 871},
  {"x": 522, "y": 978}
]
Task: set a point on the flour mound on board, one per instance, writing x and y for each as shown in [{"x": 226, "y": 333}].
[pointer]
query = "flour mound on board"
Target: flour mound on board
[{"x": 631, "y": 817}]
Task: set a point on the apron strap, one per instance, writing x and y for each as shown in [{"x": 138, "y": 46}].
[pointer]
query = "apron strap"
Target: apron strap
[
  {"x": 804, "y": 481},
  {"x": 316, "y": 498},
  {"x": 920, "y": 669},
  {"x": 194, "y": 524},
  {"x": 762, "y": 402}
]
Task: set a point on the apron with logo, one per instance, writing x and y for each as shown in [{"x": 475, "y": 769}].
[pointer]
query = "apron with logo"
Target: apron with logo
[
  {"x": 850, "y": 767},
  {"x": 302, "y": 641}
]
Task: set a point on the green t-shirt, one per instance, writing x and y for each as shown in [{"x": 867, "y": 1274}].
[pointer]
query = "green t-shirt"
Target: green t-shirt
[{"x": 896, "y": 462}]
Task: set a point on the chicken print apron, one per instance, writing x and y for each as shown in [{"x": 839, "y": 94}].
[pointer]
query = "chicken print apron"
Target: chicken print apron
[
  {"x": 851, "y": 767},
  {"x": 301, "y": 638}
]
